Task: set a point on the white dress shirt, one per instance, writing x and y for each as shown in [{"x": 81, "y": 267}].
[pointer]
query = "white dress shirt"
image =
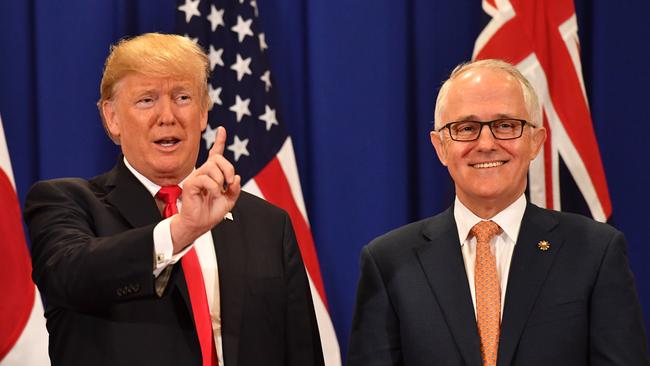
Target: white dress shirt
[
  {"x": 204, "y": 245},
  {"x": 502, "y": 245}
]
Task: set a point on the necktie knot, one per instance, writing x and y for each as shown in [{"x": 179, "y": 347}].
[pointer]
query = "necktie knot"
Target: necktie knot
[
  {"x": 484, "y": 231},
  {"x": 169, "y": 195}
]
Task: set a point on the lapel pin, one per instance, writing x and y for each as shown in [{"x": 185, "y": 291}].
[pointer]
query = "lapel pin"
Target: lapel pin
[{"x": 543, "y": 245}]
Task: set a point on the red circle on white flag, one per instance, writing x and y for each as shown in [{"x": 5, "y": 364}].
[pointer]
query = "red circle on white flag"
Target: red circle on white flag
[{"x": 15, "y": 269}]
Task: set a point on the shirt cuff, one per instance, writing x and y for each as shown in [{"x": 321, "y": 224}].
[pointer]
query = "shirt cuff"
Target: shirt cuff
[{"x": 164, "y": 247}]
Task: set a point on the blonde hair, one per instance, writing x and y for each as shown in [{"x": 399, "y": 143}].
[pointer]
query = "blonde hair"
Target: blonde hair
[
  {"x": 155, "y": 55},
  {"x": 530, "y": 97}
]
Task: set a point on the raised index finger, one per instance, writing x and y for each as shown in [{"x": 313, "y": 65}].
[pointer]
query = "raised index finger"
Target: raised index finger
[{"x": 219, "y": 142}]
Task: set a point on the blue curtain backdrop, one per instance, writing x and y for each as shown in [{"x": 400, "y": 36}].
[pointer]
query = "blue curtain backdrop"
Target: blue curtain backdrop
[{"x": 357, "y": 82}]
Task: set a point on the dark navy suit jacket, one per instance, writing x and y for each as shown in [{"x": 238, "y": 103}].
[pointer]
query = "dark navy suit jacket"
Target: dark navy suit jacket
[{"x": 573, "y": 304}]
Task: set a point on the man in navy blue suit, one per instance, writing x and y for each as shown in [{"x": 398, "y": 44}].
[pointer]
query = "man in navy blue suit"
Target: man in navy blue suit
[{"x": 495, "y": 280}]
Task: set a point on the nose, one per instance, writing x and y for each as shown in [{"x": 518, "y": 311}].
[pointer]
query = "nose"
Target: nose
[
  {"x": 486, "y": 140},
  {"x": 166, "y": 112}
]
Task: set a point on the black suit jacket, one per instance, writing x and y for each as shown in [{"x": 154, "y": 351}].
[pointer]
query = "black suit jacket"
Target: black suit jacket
[
  {"x": 92, "y": 245},
  {"x": 573, "y": 304}
]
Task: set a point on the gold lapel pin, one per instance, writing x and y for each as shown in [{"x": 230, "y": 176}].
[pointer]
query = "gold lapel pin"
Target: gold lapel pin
[{"x": 544, "y": 245}]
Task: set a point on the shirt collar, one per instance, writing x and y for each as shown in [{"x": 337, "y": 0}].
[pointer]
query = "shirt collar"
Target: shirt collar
[
  {"x": 509, "y": 219},
  {"x": 152, "y": 187}
]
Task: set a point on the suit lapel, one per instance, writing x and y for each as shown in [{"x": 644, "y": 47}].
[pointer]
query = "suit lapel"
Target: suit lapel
[
  {"x": 528, "y": 271},
  {"x": 134, "y": 202},
  {"x": 231, "y": 254},
  {"x": 442, "y": 263},
  {"x": 131, "y": 199}
]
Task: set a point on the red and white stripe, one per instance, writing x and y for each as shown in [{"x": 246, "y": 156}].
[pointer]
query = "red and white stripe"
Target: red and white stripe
[
  {"x": 541, "y": 39},
  {"x": 23, "y": 336},
  {"x": 279, "y": 184}
]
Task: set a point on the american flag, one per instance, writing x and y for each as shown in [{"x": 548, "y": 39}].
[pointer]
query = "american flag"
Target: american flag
[
  {"x": 23, "y": 336},
  {"x": 541, "y": 39},
  {"x": 244, "y": 102}
]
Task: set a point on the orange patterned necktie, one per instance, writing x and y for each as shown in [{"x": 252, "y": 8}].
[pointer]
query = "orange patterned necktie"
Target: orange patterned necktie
[
  {"x": 195, "y": 285},
  {"x": 488, "y": 291}
]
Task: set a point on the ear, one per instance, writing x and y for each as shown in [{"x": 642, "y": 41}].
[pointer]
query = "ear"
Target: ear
[
  {"x": 537, "y": 139},
  {"x": 111, "y": 119},
  {"x": 439, "y": 145}
]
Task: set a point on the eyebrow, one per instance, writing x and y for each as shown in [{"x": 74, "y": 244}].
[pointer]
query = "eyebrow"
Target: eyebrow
[
  {"x": 188, "y": 88},
  {"x": 473, "y": 117},
  {"x": 147, "y": 89},
  {"x": 143, "y": 90}
]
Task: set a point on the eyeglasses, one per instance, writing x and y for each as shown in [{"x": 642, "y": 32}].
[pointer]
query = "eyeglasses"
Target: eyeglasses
[{"x": 502, "y": 129}]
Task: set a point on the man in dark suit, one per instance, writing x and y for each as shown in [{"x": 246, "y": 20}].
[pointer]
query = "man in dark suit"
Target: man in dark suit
[
  {"x": 120, "y": 281},
  {"x": 495, "y": 280}
]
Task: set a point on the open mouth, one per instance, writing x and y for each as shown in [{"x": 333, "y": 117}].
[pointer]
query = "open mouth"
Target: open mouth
[
  {"x": 489, "y": 164},
  {"x": 167, "y": 142}
]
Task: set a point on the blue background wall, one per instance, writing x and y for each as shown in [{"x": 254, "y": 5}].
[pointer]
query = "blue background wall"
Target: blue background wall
[{"x": 357, "y": 82}]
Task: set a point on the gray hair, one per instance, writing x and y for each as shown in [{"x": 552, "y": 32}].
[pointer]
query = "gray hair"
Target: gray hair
[{"x": 530, "y": 97}]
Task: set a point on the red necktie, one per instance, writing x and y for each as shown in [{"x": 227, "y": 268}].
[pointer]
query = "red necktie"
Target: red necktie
[
  {"x": 488, "y": 291},
  {"x": 195, "y": 285}
]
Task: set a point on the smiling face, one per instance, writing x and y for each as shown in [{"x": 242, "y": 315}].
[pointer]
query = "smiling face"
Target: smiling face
[
  {"x": 158, "y": 123},
  {"x": 489, "y": 174}
]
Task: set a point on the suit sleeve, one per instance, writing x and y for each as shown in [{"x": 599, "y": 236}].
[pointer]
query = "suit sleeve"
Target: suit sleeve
[
  {"x": 303, "y": 346},
  {"x": 374, "y": 339},
  {"x": 617, "y": 335},
  {"x": 72, "y": 266}
]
